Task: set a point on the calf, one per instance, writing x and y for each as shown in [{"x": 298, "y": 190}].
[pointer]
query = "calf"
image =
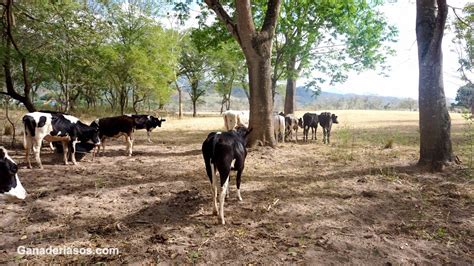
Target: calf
[
  {"x": 279, "y": 127},
  {"x": 56, "y": 127},
  {"x": 147, "y": 122},
  {"x": 291, "y": 123},
  {"x": 10, "y": 184},
  {"x": 308, "y": 121},
  {"x": 220, "y": 150},
  {"x": 326, "y": 120},
  {"x": 233, "y": 119},
  {"x": 114, "y": 127}
]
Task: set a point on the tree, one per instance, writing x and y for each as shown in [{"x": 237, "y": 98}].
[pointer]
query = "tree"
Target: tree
[
  {"x": 256, "y": 45},
  {"x": 193, "y": 66},
  {"x": 465, "y": 96},
  {"x": 330, "y": 37},
  {"x": 226, "y": 62},
  {"x": 435, "y": 122},
  {"x": 9, "y": 41}
]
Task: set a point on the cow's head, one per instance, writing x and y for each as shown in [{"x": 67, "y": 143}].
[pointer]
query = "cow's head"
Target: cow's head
[
  {"x": 156, "y": 122},
  {"x": 94, "y": 133},
  {"x": 334, "y": 119},
  {"x": 300, "y": 122},
  {"x": 10, "y": 185}
]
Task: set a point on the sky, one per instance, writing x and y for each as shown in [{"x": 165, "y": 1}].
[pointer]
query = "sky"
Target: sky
[
  {"x": 402, "y": 80},
  {"x": 403, "y": 77}
]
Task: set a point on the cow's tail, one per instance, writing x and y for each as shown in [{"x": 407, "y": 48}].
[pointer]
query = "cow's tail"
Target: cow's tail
[{"x": 214, "y": 142}]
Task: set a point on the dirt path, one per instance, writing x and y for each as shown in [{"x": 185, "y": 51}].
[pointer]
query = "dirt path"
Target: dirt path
[{"x": 308, "y": 203}]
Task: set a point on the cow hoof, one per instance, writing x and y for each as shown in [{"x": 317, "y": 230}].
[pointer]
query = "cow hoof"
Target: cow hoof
[
  {"x": 214, "y": 212},
  {"x": 240, "y": 198},
  {"x": 223, "y": 222}
]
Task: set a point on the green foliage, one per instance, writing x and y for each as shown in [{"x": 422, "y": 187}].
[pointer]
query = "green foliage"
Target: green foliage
[
  {"x": 465, "y": 95},
  {"x": 331, "y": 37}
]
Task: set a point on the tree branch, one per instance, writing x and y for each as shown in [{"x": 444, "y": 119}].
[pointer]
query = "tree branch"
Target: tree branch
[
  {"x": 271, "y": 17},
  {"x": 216, "y": 6}
]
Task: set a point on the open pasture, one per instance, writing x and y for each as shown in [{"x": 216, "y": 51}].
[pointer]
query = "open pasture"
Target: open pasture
[{"x": 353, "y": 201}]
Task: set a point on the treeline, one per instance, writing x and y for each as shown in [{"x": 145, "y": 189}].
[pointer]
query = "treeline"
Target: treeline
[{"x": 65, "y": 54}]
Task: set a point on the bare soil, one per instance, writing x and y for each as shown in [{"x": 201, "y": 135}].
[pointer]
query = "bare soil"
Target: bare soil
[{"x": 349, "y": 202}]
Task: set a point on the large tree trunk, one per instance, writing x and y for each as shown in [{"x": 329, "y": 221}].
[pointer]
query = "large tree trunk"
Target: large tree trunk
[
  {"x": 194, "y": 109},
  {"x": 435, "y": 123},
  {"x": 290, "y": 87},
  {"x": 261, "y": 103},
  {"x": 257, "y": 48}
]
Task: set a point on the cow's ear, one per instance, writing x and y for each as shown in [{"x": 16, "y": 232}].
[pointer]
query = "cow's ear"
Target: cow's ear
[
  {"x": 2, "y": 153},
  {"x": 163, "y": 120}
]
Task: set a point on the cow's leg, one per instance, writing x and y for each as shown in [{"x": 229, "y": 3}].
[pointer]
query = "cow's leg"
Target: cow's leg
[
  {"x": 224, "y": 185},
  {"x": 215, "y": 185},
  {"x": 28, "y": 147},
  {"x": 329, "y": 134},
  {"x": 148, "y": 134},
  {"x": 240, "y": 167},
  {"x": 129, "y": 144},
  {"x": 65, "y": 151},
  {"x": 36, "y": 151},
  {"x": 51, "y": 146},
  {"x": 73, "y": 152}
]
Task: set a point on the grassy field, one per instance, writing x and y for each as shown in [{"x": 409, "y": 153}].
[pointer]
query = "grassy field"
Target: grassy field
[{"x": 353, "y": 201}]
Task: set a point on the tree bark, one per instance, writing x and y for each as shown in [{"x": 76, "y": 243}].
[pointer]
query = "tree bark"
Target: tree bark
[{"x": 435, "y": 123}]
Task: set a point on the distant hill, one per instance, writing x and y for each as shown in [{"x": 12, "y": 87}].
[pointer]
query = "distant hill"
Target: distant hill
[{"x": 305, "y": 100}]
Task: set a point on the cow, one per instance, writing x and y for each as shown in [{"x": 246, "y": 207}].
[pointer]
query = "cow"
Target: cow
[
  {"x": 233, "y": 119},
  {"x": 279, "y": 127},
  {"x": 114, "y": 127},
  {"x": 147, "y": 122},
  {"x": 309, "y": 120},
  {"x": 326, "y": 120},
  {"x": 220, "y": 150},
  {"x": 291, "y": 124},
  {"x": 10, "y": 184},
  {"x": 56, "y": 127}
]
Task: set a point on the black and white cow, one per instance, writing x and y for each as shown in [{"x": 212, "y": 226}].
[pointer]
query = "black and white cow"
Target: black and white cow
[
  {"x": 114, "y": 127},
  {"x": 291, "y": 123},
  {"x": 326, "y": 120},
  {"x": 309, "y": 120},
  {"x": 220, "y": 150},
  {"x": 147, "y": 122},
  {"x": 56, "y": 127},
  {"x": 10, "y": 184}
]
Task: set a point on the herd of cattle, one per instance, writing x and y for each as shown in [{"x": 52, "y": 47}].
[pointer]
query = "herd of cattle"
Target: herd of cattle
[{"x": 222, "y": 151}]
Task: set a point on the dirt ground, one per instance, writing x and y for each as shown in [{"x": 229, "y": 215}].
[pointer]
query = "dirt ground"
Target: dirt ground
[{"x": 352, "y": 201}]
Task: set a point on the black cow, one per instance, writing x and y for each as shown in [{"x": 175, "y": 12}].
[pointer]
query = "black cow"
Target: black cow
[
  {"x": 308, "y": 121},
  {"x": 147, "y": 122},
  {"x": 54, "y": 126},
  {"x": 219, "y": 150},
  {"x": 10, "y": 184},
  {"x": 114, "y": 127},
  {"x": 326, "y": 120}
]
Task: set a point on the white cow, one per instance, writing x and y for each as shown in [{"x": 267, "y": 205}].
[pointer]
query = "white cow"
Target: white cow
[
  {"x": 279, "y": 127},
  {"x": 232, "y": 119}
]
